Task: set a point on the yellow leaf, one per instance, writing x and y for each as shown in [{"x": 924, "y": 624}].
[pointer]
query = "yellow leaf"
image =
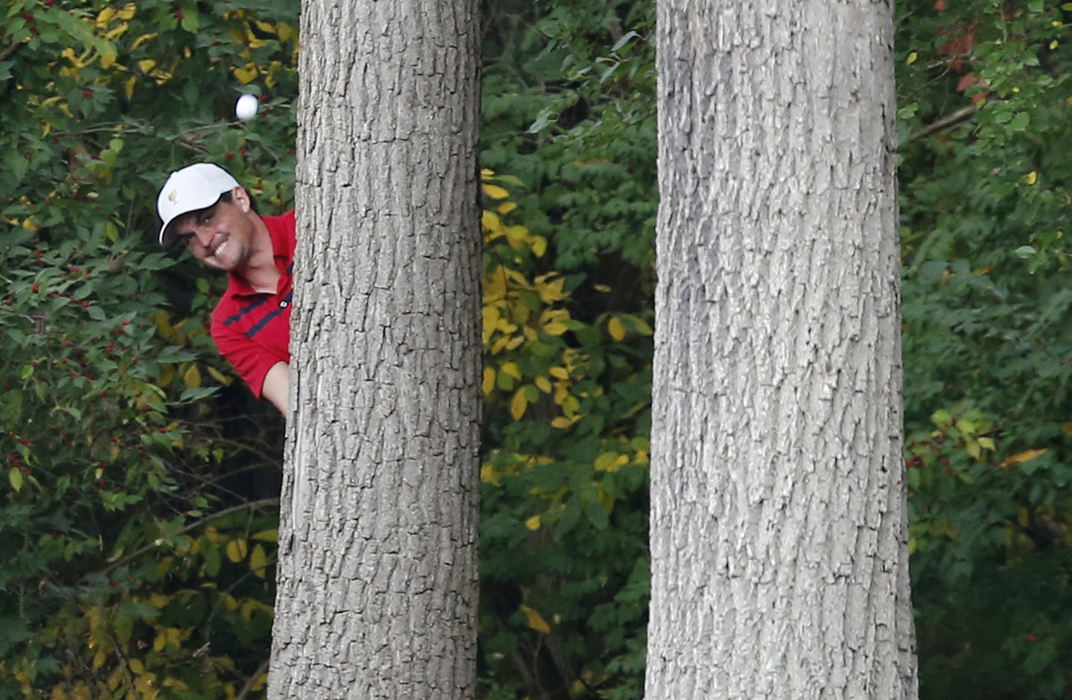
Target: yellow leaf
[
  {"x": 246, "y": 74},
  {"x": 518, "y": 404},
  {"x": 127, "y": 11},
  {"x": 550, "y": 291},
  {"x": 144, "y": 38},
  {"x": 559, "y": 373},
  {"x": 987, "y": 443},
  {"x": 1023, "y": 517},
  {"x": 146, "y": 65},
  {"x": 128, "y": 86},
  {"x": 543, "y": 384},
  {"x": 271, "y": 535},
  {"x": 615, "y": 328},
  {"x": 1031, "y": 178},
  {"x": 538, "y": 245},
  {"x": 517, "y": 236},
  {"x": 219, "y": 376},
  {"x": 555, "y": 328},
  {"x": 499, "y": 344},
  {"x": 494, "y": 191},
  {"x": 562, "y": 423},
  {"x": 118, "y": 30},
  {"x": 511, "y": 369},
  {"x": 265, "y": 26},
  {"x": 533, "y": 523},
  {"x": 489, "y": 381},
  {"x": 253, "y": 41},
  {"x": 236, "y": 550},
  {"x": 107, "y": 60},
  {"x": 605, "y": 460},
  {"x": 912, "y": 58},
  {"x": 1022, "y": 457},
  {"x": 258, "y": 561},
  {"x": 488, "y": 475},
  {"x": 492, "y": 224},
  {"x": 105, "y": 17},
  {"x": 506, "y": 207},
  {"x": 536, "y": 622},
  {"x": 192, "y": 377},
  {"x": 284, "y": 30}
]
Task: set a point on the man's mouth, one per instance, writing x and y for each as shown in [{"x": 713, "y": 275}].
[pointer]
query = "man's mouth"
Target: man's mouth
[{"x": 219, "y": 249}]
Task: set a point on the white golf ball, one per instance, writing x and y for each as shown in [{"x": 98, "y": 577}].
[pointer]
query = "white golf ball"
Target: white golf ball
[{"x": 246, "y": 107}]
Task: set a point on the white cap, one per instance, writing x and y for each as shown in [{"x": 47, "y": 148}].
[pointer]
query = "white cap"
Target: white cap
[{"x": 197, "y": 186}]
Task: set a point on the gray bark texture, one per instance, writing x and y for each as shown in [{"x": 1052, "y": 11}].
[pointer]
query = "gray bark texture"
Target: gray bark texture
[
  {"x": 778, "y": 525},
  {"x": 377, "y": 582}
]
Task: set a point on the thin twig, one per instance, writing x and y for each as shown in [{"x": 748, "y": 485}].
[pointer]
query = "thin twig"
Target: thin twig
[
  {"x": 8, "y": 50},
  {"x": 956, "y": 117},
  {"x": 193, "y": 526},
  {"x": 248, "y": 687}
]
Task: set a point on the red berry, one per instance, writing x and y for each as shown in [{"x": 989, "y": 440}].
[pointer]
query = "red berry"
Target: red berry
[
  {"x": 87, "y": 93},
  {"x": 35, "y": 287},
  {"x": 178, "y": 16}
]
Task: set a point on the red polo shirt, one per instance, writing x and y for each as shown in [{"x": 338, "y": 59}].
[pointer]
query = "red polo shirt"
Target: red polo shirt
[{"x": 252, "y": 329}]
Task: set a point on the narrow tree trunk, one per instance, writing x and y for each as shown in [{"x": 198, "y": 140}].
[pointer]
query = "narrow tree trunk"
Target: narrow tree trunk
[
  {"x": 778, "y": 528},
  {"x": 378, "y": 568}
]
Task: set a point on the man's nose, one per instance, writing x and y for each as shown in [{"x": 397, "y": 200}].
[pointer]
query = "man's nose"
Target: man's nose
[{"x": 203, "y": 236}]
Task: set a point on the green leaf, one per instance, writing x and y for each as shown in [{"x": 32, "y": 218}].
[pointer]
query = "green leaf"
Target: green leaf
[{"x": 1020, "y": 121}]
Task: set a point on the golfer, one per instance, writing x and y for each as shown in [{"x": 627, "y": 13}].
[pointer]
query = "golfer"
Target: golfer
[{"x": 205, "y": 209}]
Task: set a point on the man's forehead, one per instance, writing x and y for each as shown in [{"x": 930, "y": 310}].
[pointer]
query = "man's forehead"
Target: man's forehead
[{"x": 190, "y": 217}]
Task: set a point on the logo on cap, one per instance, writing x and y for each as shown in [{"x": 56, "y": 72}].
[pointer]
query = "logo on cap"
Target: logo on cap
[{"x": 174, "y": 196}]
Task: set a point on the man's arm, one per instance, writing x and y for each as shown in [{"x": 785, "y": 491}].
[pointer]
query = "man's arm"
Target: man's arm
[{"x": 276, "y": 386}]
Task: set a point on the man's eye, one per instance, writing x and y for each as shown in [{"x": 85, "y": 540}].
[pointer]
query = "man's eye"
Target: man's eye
[{"x": 185, "y": 238}]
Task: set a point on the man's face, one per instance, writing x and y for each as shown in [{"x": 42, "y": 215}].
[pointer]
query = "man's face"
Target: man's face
[{"x": 220, "y": 236}]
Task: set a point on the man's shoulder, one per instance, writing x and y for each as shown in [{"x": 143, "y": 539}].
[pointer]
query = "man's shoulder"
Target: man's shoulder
[
  {"x": 281, "y": 229},
  {"x": 284, "y": 223}
]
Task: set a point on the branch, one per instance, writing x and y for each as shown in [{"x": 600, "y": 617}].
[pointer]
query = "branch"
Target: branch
[
  {"x": 193, "y": 526},
  {"x": 8, "y": 50},
  {"x": 953, "y": 119},
  {"x": 252, "y": 679}
]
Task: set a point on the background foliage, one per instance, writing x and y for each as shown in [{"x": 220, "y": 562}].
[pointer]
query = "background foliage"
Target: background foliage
[{"x": 139, "y": 481}]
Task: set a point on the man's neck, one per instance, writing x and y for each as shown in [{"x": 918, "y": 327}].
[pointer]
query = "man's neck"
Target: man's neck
[{"x": 260, "y": 271}]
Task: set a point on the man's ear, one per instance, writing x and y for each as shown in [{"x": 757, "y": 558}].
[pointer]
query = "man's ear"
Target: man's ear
[{"x": 240, "y": 197}]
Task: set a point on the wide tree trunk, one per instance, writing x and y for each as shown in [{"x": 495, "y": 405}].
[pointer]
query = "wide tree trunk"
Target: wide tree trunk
[
  {"x": 778, "y": 528},
  {"x": 377, "y": 577}
]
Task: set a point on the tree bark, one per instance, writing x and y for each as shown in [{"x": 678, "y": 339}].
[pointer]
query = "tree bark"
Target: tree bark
[
  {"x": 778, "y": 524},
  {"x": 377, "y": 580}
]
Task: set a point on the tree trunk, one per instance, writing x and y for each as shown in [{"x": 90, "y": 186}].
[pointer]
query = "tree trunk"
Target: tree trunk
[
  {"x": 377, "y": 577},
  {"x": 778, "y": 527}
]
